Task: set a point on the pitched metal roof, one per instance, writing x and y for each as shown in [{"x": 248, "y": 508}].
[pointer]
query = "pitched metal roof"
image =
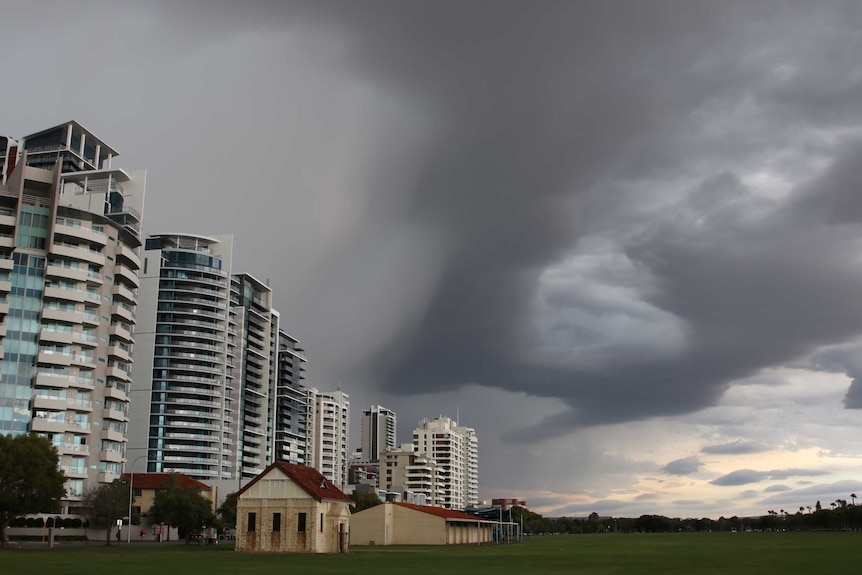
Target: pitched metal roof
[
  {"x": 448, "y": 514},
  {"x": 308, "y": 478},
  {"x": 157, "y": 480}
]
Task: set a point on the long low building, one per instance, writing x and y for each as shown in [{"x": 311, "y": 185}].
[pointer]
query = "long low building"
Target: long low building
[{"x": 397, "y": 523}]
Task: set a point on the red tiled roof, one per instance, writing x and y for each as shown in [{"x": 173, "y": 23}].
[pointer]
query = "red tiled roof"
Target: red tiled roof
[
  {"x": 157, "y": 480},
  {"x": 441, "y": 512},
  {"x": 308, "y": 478}
]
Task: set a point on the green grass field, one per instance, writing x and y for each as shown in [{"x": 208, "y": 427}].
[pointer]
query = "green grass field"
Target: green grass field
[{"x": 683, "y": 554}]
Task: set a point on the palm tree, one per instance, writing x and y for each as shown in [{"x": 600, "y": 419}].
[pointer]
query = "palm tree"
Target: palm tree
[{"x": 853, "y": 497}]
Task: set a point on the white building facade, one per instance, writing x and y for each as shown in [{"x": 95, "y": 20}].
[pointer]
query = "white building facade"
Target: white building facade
[
  {"x": 330, "y": 438},
  {"x": 417, "y": 478},
  {"x": 454, "y": 449},
  {"x": 70, "y": 237},
  {"x": 184, "y": 397}
]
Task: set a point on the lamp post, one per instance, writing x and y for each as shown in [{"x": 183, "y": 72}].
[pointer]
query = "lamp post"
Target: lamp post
[{"x": 131, "y": 483}]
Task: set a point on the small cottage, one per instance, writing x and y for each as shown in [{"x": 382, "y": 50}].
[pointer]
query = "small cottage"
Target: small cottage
[
  {"x": 398, "y": 523},
  {"x": 145, "y": 486},
  {"x": 292, "y": 508}
]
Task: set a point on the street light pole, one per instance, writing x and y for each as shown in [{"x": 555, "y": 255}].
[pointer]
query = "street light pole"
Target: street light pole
[{"x": 131, "y": 484}]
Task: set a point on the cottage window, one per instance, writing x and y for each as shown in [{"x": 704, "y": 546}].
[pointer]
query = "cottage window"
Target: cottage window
[
  {"x": 301, "y": 523},
  {"x": 276, "y": 522},
  {"x": 252, "y": 522},
  {"x": 321, "y": 522}
]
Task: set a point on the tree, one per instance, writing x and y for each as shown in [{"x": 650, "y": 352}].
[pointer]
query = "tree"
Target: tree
[
  {"x": 30, "y": 480},
  {"x": 227, "y": 512},
  {"x": 182, "y": 507},
  {"x": 363, "y": 501},
  {"x": 106, "y": 504}
]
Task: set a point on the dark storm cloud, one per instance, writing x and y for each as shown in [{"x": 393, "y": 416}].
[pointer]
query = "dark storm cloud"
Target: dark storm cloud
[
  {"x": 746, "y": 476},
  {"x": 557, "y": 122},
  {"x": 590, "y": 96},
  {"x": 846, "y": 359},
  {"x": 684, "y": 466}
]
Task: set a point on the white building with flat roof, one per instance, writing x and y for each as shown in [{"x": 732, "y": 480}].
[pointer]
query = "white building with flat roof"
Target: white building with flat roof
[
  {"x": 330, "y": 438},
  {"x": 454, "y": 449}
]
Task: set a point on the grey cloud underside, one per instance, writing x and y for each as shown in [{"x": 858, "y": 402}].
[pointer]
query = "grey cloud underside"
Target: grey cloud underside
[
  {"x": 746, "y": 476},
  {"x": 684, "y": 466},
  {"x": 542, "y": 113},
  {"x": 735, "y": 448},
  {"x": 846, "y": 359},
  {"x": 810, "y": 496}
]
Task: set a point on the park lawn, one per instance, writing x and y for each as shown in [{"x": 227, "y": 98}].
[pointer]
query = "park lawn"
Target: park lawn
[{"x": 823, "y": 553}]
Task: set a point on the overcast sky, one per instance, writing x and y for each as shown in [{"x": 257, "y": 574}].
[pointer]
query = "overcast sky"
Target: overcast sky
[{"x": 619, "y": 239}]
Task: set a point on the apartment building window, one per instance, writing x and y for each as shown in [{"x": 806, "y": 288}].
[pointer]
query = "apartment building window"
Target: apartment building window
[
  {"x": 252, "y": 522},
  {"x": 276, "y": 522},
  {"x": 300, "y": 526}
]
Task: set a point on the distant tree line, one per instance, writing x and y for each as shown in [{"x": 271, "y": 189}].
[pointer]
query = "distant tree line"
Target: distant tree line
[{"x": 839, "y": 515}]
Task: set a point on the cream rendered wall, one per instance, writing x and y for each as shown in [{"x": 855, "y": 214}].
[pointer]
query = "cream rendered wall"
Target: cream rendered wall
[
  {"x": 411, "y": 527},
  {"x": 389, "y": 524},
  {"x": 371, "y": 525},
  {"x": 277, "y": 493}
]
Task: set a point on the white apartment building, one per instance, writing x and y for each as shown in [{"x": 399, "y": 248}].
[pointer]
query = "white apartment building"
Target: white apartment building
[
  {"x": 379, "y": 427},
  {"x": 330, "y": 438},
  {"x": 455, "y": 449},
  {"x": 416, "y": 477},
  {"x": 70, "y": 237},
  {"x": 184, "y": 396},
  {"x": 205, "y": 381}
]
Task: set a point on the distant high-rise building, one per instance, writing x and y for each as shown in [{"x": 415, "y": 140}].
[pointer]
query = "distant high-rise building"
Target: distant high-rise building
[
  {"x": 205, "y": 387},
  {"x": 70, "y": 237},
  {"x": 292, "y": 431},
  {"x": 331, "y": 434},
  {"x": 455, "y": 450},
  {"x": 378, "y": 432},
  {"x": 416, "y": 477},
  {"x": 256, "y": 368}
]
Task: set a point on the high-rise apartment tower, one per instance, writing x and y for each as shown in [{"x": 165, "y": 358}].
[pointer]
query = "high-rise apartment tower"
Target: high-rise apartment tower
[
  {"x": 70, "y": 237},
  {"x": 184, "y": 399},
  {"x": 292, "y": 410},
  {"x": 379, "y": 427},
  {"x": 455, "y": 450},
  {"x": 330, "y": 437}
]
